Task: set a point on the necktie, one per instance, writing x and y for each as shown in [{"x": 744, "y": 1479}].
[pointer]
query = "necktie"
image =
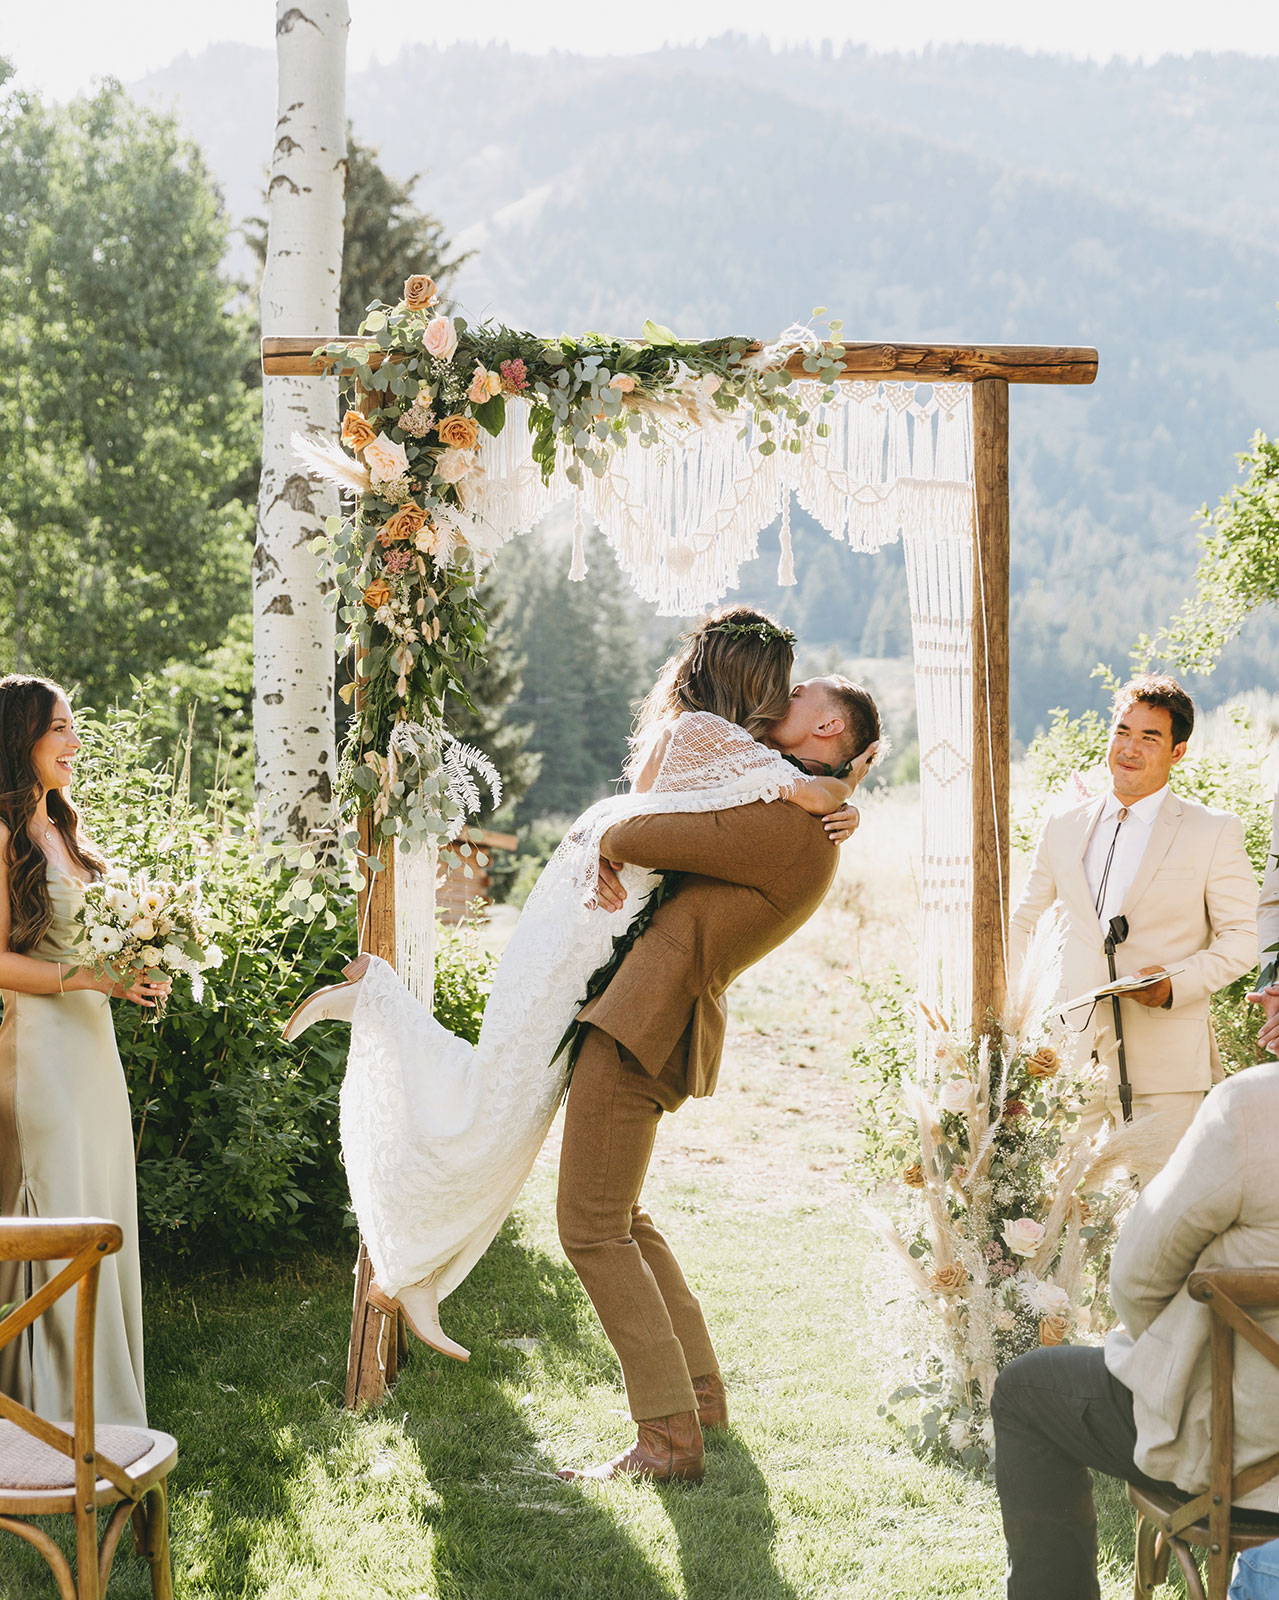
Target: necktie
[{"x": 1110, "y": 859}]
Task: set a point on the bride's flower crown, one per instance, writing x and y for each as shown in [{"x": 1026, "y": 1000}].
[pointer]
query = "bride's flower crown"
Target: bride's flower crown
[{"x": 765, "y": 632}]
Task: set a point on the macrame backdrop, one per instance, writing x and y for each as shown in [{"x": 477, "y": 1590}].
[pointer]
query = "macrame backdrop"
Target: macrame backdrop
[{"x": 880, "y": 461}]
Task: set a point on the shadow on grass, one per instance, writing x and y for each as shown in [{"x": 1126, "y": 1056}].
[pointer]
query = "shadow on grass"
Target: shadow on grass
[{"x": 726, "y": 1528}]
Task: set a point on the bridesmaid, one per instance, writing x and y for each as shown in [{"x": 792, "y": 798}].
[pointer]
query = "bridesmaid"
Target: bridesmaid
[{"x": 66, "y": 1135}]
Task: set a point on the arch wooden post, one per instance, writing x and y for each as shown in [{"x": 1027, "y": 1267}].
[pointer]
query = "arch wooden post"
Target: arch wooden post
[{"x": 990, "y": 748}]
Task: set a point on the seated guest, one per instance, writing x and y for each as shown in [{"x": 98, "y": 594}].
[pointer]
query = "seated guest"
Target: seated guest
[
  {"x": 1257, "y": 1574},
  {"x": 1139, "y": 1408},
  {"x": 1178, "y": 873},
  {"x": 1267, "y": 995}
]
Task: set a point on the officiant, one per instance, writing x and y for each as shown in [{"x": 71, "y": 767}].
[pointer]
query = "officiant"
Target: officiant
[{"x": 1168, "y": 883}]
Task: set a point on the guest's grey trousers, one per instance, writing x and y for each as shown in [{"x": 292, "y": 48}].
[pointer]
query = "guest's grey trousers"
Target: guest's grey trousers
[{"x": 1058, "y": 1412}]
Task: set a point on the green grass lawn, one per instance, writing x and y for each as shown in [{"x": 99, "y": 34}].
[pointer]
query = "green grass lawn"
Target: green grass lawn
[{"x": 448, "y": 1490}]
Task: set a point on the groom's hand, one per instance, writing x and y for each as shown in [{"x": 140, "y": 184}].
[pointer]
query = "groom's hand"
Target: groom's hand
[{"x": 609, "y": 893}]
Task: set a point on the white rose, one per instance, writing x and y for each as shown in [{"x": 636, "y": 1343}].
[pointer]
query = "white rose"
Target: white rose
[
  {"x": 143, "y": 928},
  {"x": 956, "y": 1094},
  {"x": 174, "y": 956},
  {"x": 453, "y": 466},
  {"x": 385, "y": 458},
  {"x": 1051, "y": 1300},
  {"x": 1023, "y": 1235},
  {"x": 150, "y": 955}
]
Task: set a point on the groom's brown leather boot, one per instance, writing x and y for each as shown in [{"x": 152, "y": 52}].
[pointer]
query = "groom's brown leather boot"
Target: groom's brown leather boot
[
  {"x": 666, "y": 1448},
  {"x": 712, "y": 1402}
]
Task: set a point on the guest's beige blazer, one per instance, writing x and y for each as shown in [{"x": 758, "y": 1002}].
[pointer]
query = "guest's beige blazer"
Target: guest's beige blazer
[
  {"x": 1268, "y": 913},
  {"x": 1215, "y": 1204},
  {"x": 1193, "y": 902}
]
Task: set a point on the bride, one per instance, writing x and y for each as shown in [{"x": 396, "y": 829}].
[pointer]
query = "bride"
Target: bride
[{"x": 439, "y": 1135}]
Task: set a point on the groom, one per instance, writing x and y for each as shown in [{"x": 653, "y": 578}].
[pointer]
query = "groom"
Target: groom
[{"x": 751, "y": 877}]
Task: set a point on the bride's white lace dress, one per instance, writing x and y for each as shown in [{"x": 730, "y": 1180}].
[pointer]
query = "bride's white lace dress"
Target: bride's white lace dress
[{"x": 439, "y": 1135}]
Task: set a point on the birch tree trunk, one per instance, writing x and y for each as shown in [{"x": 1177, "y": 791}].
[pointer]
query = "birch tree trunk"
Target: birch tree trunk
[{"x": 293, "y": 625}]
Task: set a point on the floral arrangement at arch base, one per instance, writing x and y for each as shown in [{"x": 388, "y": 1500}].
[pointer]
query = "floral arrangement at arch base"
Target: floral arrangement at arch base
[
  {"x": 1014, "y": 1205},
  {"x": 406, "y": 555}
]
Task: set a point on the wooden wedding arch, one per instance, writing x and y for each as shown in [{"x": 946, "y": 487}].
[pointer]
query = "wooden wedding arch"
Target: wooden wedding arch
[{"x": 376, "y": 1346}]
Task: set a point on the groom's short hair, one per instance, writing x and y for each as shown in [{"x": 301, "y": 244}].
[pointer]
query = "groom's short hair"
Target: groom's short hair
[
  {"x": 860, "y": 714},
  {"x": 1157, "y": 689}
]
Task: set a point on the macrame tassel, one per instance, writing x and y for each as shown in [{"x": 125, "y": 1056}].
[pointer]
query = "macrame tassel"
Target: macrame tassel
[
  {"x": 415, "y": 878},
  {"x": 786, "y": 561},
  {"x": 577, "y": 568}
]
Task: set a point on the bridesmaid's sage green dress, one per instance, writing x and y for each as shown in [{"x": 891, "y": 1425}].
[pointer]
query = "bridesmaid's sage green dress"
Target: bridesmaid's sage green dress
[{"x": 66, "y": 1150}]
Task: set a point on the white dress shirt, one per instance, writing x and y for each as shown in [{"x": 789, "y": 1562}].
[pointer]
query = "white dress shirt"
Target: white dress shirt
[{"x": 1130, "y": 845}]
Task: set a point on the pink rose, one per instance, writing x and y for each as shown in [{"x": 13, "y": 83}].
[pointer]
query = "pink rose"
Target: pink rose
[
  {"x": 484, "y": 385},
  {"x": 385, "y": 458},
  {"x": 623, "y": 382},
  {"x": 439, "y": 338},
  {"x": 1023, "y": 1235}
]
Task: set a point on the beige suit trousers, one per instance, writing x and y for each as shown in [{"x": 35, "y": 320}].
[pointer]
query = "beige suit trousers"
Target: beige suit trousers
[
  {"x": 651, "y": 1317},
  {"x": 1175, "y": 1112}
]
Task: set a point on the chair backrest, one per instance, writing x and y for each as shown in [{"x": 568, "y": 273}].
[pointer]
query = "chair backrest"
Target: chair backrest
[
  {"x": 1230, "y": 1293},
  {"x": 82, "y": 1242}
]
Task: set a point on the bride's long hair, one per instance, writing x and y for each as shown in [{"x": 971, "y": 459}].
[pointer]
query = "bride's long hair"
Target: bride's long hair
[
  {"x": 26, "y": 715},
  {"x": 736, "y": 663}
]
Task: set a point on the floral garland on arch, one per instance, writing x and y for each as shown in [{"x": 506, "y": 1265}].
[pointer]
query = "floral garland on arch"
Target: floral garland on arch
[{"x": 407, "y": 556}]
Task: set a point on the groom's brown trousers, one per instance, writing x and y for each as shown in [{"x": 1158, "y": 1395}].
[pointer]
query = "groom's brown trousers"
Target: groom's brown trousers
[
  {"x": 751, "y": 876},
  {"x": 651, "y": 1316}
]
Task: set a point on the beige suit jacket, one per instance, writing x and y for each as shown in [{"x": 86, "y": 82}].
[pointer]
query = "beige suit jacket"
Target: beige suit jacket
[
  {"x": 1193, "y": 902},
  {"x": 1268, "y": 912},
  {"x": 753, "y": 875},
  {"x": 1215, "y": 1204}
]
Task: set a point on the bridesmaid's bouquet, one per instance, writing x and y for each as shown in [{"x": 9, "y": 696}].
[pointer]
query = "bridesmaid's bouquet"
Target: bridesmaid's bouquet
[{"x": 134, "y": 925}]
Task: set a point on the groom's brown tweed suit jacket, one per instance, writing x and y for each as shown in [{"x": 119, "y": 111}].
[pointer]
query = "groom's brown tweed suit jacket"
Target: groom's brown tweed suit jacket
[{"x": 753, "y": 875}]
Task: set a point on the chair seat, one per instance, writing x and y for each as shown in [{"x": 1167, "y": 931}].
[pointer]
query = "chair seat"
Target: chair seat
[
  {"x": 35, "y": 1478},
  {"x": 1247, "y": 1528}
]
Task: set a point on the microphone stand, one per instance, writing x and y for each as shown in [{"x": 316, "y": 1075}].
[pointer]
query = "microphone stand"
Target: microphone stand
[{"x": 1115, "y": 936}]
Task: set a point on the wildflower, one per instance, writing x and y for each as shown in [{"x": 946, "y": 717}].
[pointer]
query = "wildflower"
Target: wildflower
[
  {"x": 514, "y": 375},
  {"x": 419, "y": 419}
]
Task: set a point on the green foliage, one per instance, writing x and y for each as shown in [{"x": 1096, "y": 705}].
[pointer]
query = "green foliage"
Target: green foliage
[
  {"x": 124, "y": 414},
  {"x": 1238, "y": 568},
  {"x": 237, "y": 1133},
  {"x": 881, "y": 1054}
]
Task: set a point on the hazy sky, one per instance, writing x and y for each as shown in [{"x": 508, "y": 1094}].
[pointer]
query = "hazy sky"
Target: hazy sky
[{"x": 59, "y": 47}]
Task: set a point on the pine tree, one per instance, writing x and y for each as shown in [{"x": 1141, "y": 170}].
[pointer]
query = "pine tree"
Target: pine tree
[{"x": 493, "y": 686}]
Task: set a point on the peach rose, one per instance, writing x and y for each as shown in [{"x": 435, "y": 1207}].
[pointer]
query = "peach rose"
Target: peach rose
[
  {"x": 484, "y": 385},
  {"x": 377, "y": 593},
  {"x": 956, "y": 1095},
  {"x": 439, "y": 338},
  {"x": 1053, "y": 1330},
  {"x": 453, "y": 465},
  {"x": 1044, "y": 1063},
  {"x": 949, "y": 1279},
  {"x": 357, "y": 431},
  {"x": 913, "y": 1176},
  {"x": 420, "y": 292},
  {"x": 409, "y": 520},
  {"x": 386, "y": 459},
  {"x": 623, "y": 382},
  {"x": 458, "y": 432}
]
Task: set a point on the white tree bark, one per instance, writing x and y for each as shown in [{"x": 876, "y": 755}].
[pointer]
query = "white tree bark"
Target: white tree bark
[{"x": 293, "y": 626}]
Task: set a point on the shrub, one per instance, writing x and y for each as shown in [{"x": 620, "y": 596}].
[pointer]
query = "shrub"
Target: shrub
[{"x": 236, "y": 1131}]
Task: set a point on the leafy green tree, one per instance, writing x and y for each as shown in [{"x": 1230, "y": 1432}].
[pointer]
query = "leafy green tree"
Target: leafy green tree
[
  {"x": 1238, "y": 567},
  {"x": 125, "y": 420}
]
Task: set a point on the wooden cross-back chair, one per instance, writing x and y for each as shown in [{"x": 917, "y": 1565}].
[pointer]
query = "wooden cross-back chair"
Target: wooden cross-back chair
[
  {"x": 75, "y": 1468},
  {"x": 1168, "y": 1525}
]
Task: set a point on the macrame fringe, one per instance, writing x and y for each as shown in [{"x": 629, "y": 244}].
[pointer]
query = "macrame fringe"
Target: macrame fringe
[{"x": 416, "y": 872}]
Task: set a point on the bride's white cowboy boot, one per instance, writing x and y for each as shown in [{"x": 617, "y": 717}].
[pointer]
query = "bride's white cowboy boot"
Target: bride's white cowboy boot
[
  {"x": 334, "y": 1003},
  {"x": 420, "y": 1308}
]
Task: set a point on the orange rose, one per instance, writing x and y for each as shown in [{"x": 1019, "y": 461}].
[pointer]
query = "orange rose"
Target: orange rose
[
  {"x": 459, "y": 433},
  {"x": 949, "y": 1279},
  {"x": 409, "y": 520},
  {"x": 357, "y": 430},
  {"x": 1043, "y": 1063},
  {"x": 913, "y": 1176},
  {"x": 420, "y": 292},
  {"x": 1053, "y": 1330},
  {"x": 377, "y": 593}
]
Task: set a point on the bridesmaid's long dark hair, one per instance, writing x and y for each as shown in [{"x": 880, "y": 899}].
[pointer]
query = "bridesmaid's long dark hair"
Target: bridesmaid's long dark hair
[{"x": 26, "y": 715}]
